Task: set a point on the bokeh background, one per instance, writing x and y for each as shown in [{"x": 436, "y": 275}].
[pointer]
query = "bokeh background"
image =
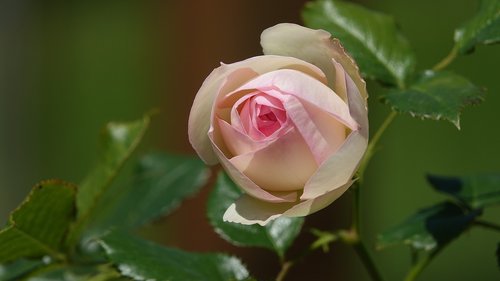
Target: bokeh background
[{"x": 67, "y": 67}]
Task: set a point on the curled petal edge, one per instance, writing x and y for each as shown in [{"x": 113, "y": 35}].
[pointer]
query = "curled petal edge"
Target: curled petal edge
[
  {"x": 248, "y": 210},
  {"x": 315, "y": 46}
]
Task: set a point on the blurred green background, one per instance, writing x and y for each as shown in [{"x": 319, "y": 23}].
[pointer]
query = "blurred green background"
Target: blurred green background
[{"x": 67, "y": 67}]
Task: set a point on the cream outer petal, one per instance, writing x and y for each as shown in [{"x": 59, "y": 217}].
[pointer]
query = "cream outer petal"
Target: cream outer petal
[
  {"x": 315, "y": 46},
  {"x": 323, "y": 133},
  {"x": 284, "y": 165},
  {"x": 201, "y": 111},
  {"x": 248, "y": 185},
  {"x": 341, "y": 166},
  {"x": 248, "y": 210}
]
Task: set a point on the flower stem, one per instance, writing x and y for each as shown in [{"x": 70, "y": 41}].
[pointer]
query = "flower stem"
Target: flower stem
[
  {"x": 446, "y": 60},
  {"x": 285, "y": 267},
  {"x": 418, "y": 267},
  {"x": 373, "y": 143},
  {"x": 351, "y": 237},
  {"x": 487, "y": 224},
  {"x": 367, "y": 260}
]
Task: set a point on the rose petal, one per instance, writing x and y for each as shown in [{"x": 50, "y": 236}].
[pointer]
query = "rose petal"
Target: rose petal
[
  {"x": 357, "y": 107},
  {"x": 295, "y": 83},
  {"x": 340, "y": 83},
  {"x": 239, "y": 143},
  {"x": 201, "y": 111},
  {"x": 308, "y": 207},
  {"x": 284, "y": 165},
  {"x": 322, "y": 133},
  {"x": 340, "y": 167},
  {"x": 248, "y": 210},
  {"x": 314, "y": 46},
  {"x": 248, "y": 185}
]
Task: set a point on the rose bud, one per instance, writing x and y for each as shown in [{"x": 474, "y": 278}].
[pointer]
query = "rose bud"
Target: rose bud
[{"x": 290, "y": 127}]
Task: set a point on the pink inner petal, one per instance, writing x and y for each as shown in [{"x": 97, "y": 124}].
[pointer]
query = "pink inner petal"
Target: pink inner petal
[{"x": 259, "y": 115}]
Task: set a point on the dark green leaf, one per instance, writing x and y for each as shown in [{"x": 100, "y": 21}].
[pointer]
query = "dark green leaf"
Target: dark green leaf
[
  {"x": 483, "y": 28},
  {"x": 119, "y": 141},
  {"x": 372, "y": 38},
  {"x": 57, "y": 272},
  {"x": 161, "y": 182},
  {"x": 39, "y": 225},
  {"x": 436, "y": 95},
  {"x": 143, "y": 260},
  {"x": 429, "y": 228},
  {"x": 277, "y": 235},
  {"x": 18, "y": 268},
  {"x": 473, "y": 191}
]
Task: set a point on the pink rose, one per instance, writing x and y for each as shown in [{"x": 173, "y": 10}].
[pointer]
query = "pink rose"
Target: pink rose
[{"x": 289, "y": 127}]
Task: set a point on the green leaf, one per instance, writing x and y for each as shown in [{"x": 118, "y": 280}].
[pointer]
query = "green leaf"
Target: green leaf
[
  {"x": 143, "y": 260},
  {"x": 67, "y": 272},
  {"x": 119, "y": 141},
  {"x": 277, "y": 235},
  {"x": 473, "y": 191},
  {"x": 18, "y": 268},
  {"x": 160, "y": 184},
  {"x": 429, "y": 228},
  {"x": 483, "y": 28},
  {"x": 39, "y": 225},
  {"x": 372, "y": 38},
  {"x": 436, "y": 95}
]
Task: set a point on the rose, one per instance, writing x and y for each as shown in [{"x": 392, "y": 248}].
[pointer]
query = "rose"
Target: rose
[{"x": 289, "y": 127}]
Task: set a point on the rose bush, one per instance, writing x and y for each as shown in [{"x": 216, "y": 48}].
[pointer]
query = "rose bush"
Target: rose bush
[{"x": 290, "y": 127}]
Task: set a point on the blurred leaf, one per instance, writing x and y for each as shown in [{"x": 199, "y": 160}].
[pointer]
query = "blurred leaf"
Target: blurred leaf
[
  {"x": 76, "y": 273},
  {"x": 38, "y": 226},
  {"x": 372, "y": 38},
  {"x": 277, "y": 235},
  {"x": 436, "y": 95},
  {"x": 473, "y": 191},
  {"x": 483, "y": 28},
  {"x": 429, "y": 228},
  {"x": 119, "y": 140},
  {"x": 15, "y": 269},
  {"x": 143, "y": 260},
  {"x": 160, "y": 184}
]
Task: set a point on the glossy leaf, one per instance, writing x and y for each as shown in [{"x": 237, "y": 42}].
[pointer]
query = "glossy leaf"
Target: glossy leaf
[
  {"x": 278, "y": 235},
  {"x": 436, "y": 96},
  {"x": 473, "y": 191},
  {"x": 160, "y": 183},
  {"x": 143, "y": 260},
  {"x": 38, "y": 226},
  {"x": 119, "y": 140},
  {"x": 14, "y": 270},
  {"x": 57, "y": 272},
  {"x": 372, "y": 38},
  {"x": 429, "y": 228},
  {"x": 483, "y": 28}
]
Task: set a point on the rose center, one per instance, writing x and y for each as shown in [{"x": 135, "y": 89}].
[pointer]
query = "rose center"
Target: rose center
[{"x": 262, "y": 115}]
